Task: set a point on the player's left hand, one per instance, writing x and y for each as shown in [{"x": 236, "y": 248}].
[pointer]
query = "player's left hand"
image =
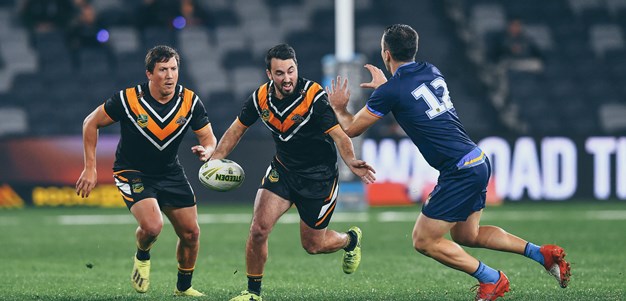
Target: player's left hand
[
  {"x": 378, "y": 77},
  {"x": 202, "y": 153},
  {"x": 363, "y": 170},
  {"x": 338, "y": 93}
]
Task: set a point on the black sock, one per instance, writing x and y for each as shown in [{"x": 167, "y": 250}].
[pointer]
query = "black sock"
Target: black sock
[
  {"x": 254, "y": 284},
  {"x": 184, "y": 279},
  {"x": 143, "y": 255},
  {"x": 353, "y": 240}
]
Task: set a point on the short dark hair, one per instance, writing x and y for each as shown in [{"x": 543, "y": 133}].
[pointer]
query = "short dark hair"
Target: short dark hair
[
  {"x": 401, "y": 41},
  {"x": 282, "y": 52},
  {"x": 160, "y": 54}
]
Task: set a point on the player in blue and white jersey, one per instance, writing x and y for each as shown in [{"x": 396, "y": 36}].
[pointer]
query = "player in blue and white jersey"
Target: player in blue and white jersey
[{"x": 419, "y": 99}]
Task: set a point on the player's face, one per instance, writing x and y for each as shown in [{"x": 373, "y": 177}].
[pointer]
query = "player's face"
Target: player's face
[
  {"x": 164, "y": 78},
  {"x": 284, "y": 73}
]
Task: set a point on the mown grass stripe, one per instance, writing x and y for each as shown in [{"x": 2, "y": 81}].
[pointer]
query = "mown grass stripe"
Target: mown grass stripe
[{"x": 386, "y": 216}]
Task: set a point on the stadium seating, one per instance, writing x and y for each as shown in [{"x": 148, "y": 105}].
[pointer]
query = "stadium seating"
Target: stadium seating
[
  {"x": 224, "y": 59},
  {"x": 582, "y": 42}
]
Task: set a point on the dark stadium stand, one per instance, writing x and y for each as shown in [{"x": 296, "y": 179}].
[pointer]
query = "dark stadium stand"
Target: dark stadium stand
[
  {"x": 583, "y": 46},
  {"x": 582, "y": 42}
]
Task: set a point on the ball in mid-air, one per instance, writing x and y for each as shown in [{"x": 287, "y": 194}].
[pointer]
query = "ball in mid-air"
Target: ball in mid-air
[{"x": 221, "y": 175}]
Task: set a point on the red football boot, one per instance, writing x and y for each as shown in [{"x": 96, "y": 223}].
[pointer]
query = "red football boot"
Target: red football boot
[
  {"x": 493, "y": 291},
  {"x": 555, "y": 264}
]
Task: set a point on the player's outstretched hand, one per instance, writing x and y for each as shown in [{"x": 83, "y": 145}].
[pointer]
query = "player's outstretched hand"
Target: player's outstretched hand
[
  {"x": 338, "y": 93},
  {"x": 202, "y": 153},
  {"x": 86, "y": 182},
  {"x": 363, "y": 170},
  {"x": 378, "y": 77}
]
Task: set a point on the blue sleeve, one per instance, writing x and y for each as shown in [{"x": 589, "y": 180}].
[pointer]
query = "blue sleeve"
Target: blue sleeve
[{"x": 381, "y": 102}]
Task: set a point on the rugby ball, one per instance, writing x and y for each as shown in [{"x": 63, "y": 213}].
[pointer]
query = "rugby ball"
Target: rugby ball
[{"x": 221, "y": 175}]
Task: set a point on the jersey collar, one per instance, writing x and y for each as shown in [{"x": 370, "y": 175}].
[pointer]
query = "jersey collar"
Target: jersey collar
[{"x": 403, "y": 65}]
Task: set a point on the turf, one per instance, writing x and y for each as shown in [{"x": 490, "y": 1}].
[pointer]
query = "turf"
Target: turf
[{"x": 43, "y": 259}]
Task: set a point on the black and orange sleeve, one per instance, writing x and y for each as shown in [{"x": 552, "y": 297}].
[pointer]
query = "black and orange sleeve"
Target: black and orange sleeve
[
  {"x": 113, "y": 107},
  {"x": 249, "y": 114}
]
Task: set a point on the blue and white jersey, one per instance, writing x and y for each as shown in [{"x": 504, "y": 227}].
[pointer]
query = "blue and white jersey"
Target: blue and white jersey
[{"x": 418, "y": 97}]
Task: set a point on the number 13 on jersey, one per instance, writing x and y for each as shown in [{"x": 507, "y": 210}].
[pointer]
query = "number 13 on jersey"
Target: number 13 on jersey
[{"x": 437, "y": 106}]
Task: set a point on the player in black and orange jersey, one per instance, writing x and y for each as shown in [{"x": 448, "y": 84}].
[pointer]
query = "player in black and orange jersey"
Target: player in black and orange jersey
[
  {"x": 303, "y": 171},
  {"x": 153, "y": 117}
]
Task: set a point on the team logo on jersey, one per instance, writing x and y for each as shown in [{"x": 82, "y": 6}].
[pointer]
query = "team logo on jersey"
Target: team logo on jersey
[
  {"x": 265, "y": 115},
  {"x": 181, "y": 120},
  {"x": 140, "y": 94},
  {"x": 137, "y": 187},
  {"x": 273, "y": 176},
  {"x": 142, "y": 120},
  {"x": 297, "y": 118}
]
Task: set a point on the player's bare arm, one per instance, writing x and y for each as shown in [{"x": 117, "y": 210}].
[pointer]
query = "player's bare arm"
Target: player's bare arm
[
  {"x": 229, "y": 140},
  {"x": 89, "y": 177},
  {"x": 207, "y": 140},
  {"x": 338, "y": 96},
  {"x": 359, "y": 167}
]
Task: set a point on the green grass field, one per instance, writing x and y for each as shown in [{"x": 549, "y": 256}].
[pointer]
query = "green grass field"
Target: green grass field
[{"x": 45, "y": 254}]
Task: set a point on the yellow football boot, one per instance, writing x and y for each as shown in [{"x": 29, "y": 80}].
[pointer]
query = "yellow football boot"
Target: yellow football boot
[
  {"x": 190, "y": 292},
  {"x": 247, "y": 296},
  {"x": 352, "y": 259},
  {"x": 140, "y": 276}
]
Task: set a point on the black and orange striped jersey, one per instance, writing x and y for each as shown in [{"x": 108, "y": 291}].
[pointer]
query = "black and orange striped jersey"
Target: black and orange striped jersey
[
  {"x": 299, "y": 124},
  {"x": 151, "y": 131}
]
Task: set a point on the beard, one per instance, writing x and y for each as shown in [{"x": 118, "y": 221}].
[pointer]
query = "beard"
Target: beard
[{"x": 286, "y": 93}]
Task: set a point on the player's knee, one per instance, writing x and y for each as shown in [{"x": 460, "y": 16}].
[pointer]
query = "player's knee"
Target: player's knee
[
  {"x": 421, "y": 244},
  {"x": 191, "y": 236},
  {"x": 464, "y": 240},
  {"x": 152, "y": 230},
  {"x": 259, "y": 233},
  {"x": 312, "y": 247}
]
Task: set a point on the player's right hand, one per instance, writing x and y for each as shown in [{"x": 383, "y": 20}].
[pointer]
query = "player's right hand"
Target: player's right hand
[
  {"x": 86, "y": 182},
  {"x": 202, "y": 152},
  {"x": 338, "y": 93},
  {"x": 363, "y": 170},
  {"x": 378, "y": 77}
]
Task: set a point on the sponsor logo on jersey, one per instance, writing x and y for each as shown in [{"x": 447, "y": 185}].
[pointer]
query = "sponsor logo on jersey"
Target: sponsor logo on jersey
[
  {"x": 273, "y": 176},
  {"x": 297, "y": 118},
  {"x": 265, "y": 114},
  {"x": 181, "y": 120},
  {"x": 137, "y": 187},
  {"x": 142, "y": 120}
]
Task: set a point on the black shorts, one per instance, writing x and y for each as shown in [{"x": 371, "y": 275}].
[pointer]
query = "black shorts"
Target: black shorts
[
  {"x": 315, "y": 199},
  {"x": 170, "y": 190}
]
